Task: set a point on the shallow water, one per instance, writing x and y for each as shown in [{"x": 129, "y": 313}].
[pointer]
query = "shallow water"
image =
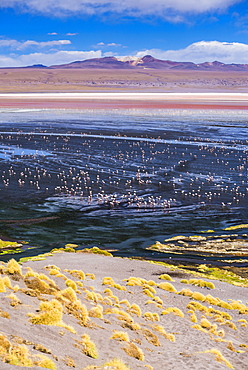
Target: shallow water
[{"x": 121, "y": 179}]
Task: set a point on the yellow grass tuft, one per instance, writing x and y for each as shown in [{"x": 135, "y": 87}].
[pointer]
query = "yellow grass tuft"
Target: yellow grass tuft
[
  {"x": 126, "y": 302},
  {"x": 51, "y": 313},
  {"x": 132, "y": 281},
  {"x": 71, "y": 283},
  {"x": 225, "y": 305},
  {"x": 89, "y": 347},
  {"x": 79, "y": 311},
  {"x": 176, "y": 311},
  {"x": 212, "y": 300},
  {"x": 151, "y": 337},
  {"x": 13, "y": 267},
  {"x": 120, "y": 335},
  {"x": 116, "y": 364},
  {"x": 219, "y": 357},
  {"x": 166, "y": 277},
  {"x": 96, "y": 312},
  {"x": 160, "y": 329},
  {"x": 90, "y": 276},
  {"x": 135, "y": 309},
  {"x": 168, "y": 287},
  {"x": 151, "y": 316},
  {"x": 198, "y": 296},
  {"x": 186, "y": 292},
  {"x": 67, "y": 294},
  {"x": 134, "y": 351},
  {"x": 205, "y": 323}
]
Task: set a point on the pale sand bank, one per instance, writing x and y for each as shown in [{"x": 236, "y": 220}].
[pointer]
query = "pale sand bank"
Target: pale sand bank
[{"x": 183, "y": 347}]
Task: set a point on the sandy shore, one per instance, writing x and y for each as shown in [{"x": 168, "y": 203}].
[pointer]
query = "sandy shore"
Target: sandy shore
[
  {"x": 125, "y": 100},
  {"x": 162, "y": 328}
]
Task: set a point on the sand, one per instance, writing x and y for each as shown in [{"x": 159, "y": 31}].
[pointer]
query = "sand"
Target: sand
[
  {"x": 63, "y": 348},
  {"x": 125, "y": 100}
]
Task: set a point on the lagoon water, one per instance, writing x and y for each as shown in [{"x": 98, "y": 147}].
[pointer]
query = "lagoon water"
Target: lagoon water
[{"x": 120, "y": 179}]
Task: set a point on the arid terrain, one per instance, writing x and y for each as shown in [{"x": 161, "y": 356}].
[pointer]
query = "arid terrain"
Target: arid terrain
[{"x": 82, "y": 80}]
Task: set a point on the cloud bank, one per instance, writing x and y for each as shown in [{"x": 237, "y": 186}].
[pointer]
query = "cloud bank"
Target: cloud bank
[
  {"x": 121, "y": 7},
  {"x": 59, "y": 57},
  {"x": 17, "y": 45},
  {"x": 203, "y": 51}
]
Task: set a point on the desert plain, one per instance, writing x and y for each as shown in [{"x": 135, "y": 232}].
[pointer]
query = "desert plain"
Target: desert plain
[{"x": 141, "y": 82}]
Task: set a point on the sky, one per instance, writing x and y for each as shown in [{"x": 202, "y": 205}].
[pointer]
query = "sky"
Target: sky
[{"x": 54, "y": 32}]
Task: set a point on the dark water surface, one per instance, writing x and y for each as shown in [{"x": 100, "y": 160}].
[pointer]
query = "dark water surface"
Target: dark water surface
[{"x": 121, "y": 180}]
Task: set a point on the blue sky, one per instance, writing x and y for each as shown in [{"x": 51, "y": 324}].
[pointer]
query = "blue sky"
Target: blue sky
[{"x": 62, "y": 31}]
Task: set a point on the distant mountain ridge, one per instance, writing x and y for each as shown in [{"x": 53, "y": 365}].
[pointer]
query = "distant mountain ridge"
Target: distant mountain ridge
[{"x": 147, "y": 62}]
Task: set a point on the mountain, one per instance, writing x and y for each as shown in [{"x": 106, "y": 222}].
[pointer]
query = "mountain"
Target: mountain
[
  {"x": 149, "y": 62},
  {"x": 100, "y": 63}
]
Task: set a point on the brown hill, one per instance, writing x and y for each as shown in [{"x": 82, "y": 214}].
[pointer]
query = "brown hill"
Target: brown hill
[{"x": 149, "y": 62}]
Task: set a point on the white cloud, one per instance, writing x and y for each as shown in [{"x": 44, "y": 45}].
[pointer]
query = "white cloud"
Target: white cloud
[
  {"x": 52, "y": 33},
  {"x": 203, "y": 51},
  {"x": 17, "y": 45},
  {"x": 71, "y": 34},
  {"x": 126, "y": 7},
  {"x": 59, "y": 57},
  {"x": 111, "y": 44}
]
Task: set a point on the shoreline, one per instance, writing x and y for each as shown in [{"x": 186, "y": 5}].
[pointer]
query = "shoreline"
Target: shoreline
[{"x": 116, "y": 100}]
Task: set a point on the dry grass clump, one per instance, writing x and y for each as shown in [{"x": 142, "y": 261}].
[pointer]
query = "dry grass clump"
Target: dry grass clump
[
  {"x": 79, "y": 274},
  {"x": 198, "y": 306},
  {"x": 148, "y": 293},
  {"x": 160, "y": 329},
  {"x": 219, "y": 357},
  {"x": 168, "y": 287},
  {"x": 193, "y": 318},
  {"x": 90, "y": 276},
  {"x": 96, "y": 312},
  {"x": 69, "y": 361},
  {"x": 151, "y": 316},
  {"x": 134, "y": 351},
  {"x": 151, "y": 337},
  {"x": 4, "y": 314},
  {"x": 205, "y": 323},
  {"x": 120, "y": 335},
  {"x": 225, "y": 305},
  {"x": 186, "y": 292},
  {"x": 39, "y": 285},
  {"x": 18, "y": 355},
  {"x": 201, "y": 283},
  {"x": 126, "y": 302},
  {"x": 165, "y": 277},
  {"x": 31, "y": 273},
  {"x": 114, "y": 364},
  {"x": 67, "y": 294},
  {"x": 176, "y": 311},
  {"x": 212, "y": 300},
  {"x": 135, "y": 309},
  {"x": 71, "y": 283},
  {"x": 230, "y": 324},
  {"x": 13, "y": 268},
  {"x": 123, "y": 315},
  {"x": 132, "y": 281},
  {"x": 88, "y": 346},
  {"x": 109, "y": 281},
  {"x": 198, "y": 296},
  {"x": 15, "y": 301},
  {"x": 79, "y": 311},
  {"x": 51, "y": 313},
  {"x": 131, "y": 325},
  {"x": 237, "y": 305},
  {"x": 117, "y": 364}
]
